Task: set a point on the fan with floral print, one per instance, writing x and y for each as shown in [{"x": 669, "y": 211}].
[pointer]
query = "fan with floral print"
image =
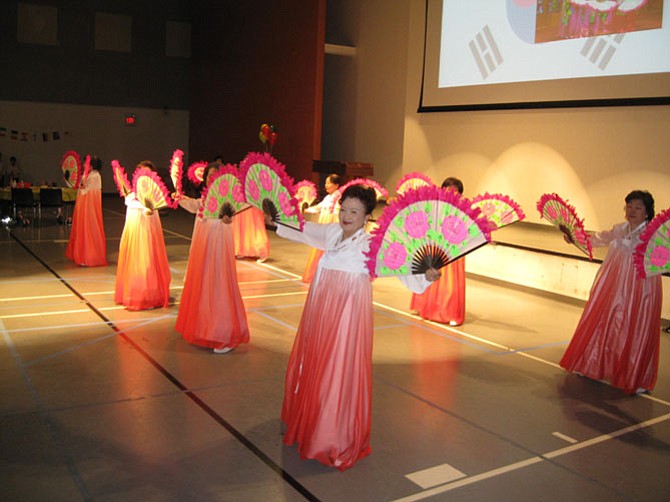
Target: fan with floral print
[
  {"x": 305, "y": 193},
  {"x": 499, "y": 209},
  {"x": 224, "y": 195},
  {"x": 424, "y": 228},
  {"x": 652, "y": 255},
  {"x": 176, "y": 172},
  {"x": 150, "y": 189},
  {"x": 71, "y": 168},
  {"x": 196, "y": 172},
  {"x": 380, "y": 191},
  {"x": 267, "y": 187},
  {"x": 412, "y": 180},
  {"x": 121, "y": 180},
  {"x": 563, "y": 216}
]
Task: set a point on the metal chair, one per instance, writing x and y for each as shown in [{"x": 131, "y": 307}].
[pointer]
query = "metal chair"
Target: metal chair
[
  {"x": 51, "y": 197},
  {"x": 23, "y": 198}
]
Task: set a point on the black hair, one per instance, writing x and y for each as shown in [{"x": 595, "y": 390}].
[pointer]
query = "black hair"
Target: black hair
[
  {"x": 647, "y": 200},
  {"x": 453, "y": 182},
  {"x": 147, "y": 163},
  {"x": 335, "y": 179},
  {"x": 364, "y": 193},
  {"x": 205, "y": 173}
]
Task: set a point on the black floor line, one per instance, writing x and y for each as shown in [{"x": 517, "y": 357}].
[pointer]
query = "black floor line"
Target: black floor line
[{"x": 177, "y": 383}]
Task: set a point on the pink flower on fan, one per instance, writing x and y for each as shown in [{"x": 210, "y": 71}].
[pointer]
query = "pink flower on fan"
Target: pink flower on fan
[
  {"x": 266, "y": 180},
  {"x": 212, "y": 205},
  {"x": 454, "y": 230},
  {"x": 395, "y": 256},
  {"x": 416, "y": 224},
  {"x": 551, "y": 212},
  {"x": 659, "y": 256},
  {"x": 507, "y": 217},
  {"x": 223, "y": 187},
  {"x": 285, "y": 204},
  {"x": 565, "y": 214},
  {"x": 488, "y": 209},
  {"x": 580, "y": 236},
  {"x": 253, "y": 190},
  {"x": 238, "y": 195}
]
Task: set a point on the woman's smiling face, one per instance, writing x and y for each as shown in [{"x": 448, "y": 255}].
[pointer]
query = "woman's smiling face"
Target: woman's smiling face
[{"x": 353, "y": 216}]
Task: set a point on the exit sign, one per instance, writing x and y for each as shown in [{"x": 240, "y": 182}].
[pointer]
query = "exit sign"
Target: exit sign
[{"x": 130, "y": 119}]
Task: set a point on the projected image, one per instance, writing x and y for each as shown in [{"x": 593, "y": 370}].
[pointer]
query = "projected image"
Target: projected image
[{"x": 565, "y": 19}]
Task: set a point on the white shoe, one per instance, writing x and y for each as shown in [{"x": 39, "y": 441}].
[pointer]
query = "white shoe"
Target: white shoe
[
  {"x": 222, "y": 350},
  {"x": 262, "y": 260},
  {"x": 641, "y": 390}
]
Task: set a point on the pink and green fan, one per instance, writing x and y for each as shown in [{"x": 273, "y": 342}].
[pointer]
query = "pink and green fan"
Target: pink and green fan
[
  {"x": 424, "y": 228},
  {"x": 564, "y": 217},
  {"x": 121, "y": 179},
  {"x": 196, "y": 172},
  {"x": 224, "y": 195},
  {"x": 305, "y": 193},
  {"x": 411, "y": 181},
  {"x": 176, "y": 172},
  {"x": 380, "y": 191},
  {"x": 652, "y": 255},
  {"x": 150, "y": 189},
  {"x": 71, "y": 168},
  {"x": 267, "y": 187},
  {"x": 499, "y": 209}
]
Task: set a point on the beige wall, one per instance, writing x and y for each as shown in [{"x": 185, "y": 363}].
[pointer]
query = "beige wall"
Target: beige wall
[{"x": 90, "y": 129}]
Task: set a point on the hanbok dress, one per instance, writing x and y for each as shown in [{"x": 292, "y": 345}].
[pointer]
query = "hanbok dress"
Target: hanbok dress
[
  {"x": 328, "y": 387},
  {"x": 87, "y": 245},
  {"x": 444, "y": 300},
  {"x": 143, "y": 272},
  {"x": 328, "y": 213},
  {"x": 618, "y": 335},
  {"x": 249, "y": 234},
  {"x": 211, "y": 310}
]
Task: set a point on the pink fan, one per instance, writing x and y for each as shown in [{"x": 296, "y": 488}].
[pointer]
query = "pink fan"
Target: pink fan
[
  {"x": 150, "y": 189},
  {"x": 176, "y": 171},
  {"x": 652, "y": 255},
  {"x": 499, "y": 209},
  {"x": 71, "y": 168},
  {"x": 564, "y": 217},
  {"x": 196, "y": 172},
  {"x": 423, "y": 228},
  {"x": 121, "y": 179},
  {"x": 380, "y": 191},
  {"x": 268, "y": 188},
  {"x": 305, "y": 193},
  {"x": 224, "y": 195},
  {"x": 411, "y": 181}
]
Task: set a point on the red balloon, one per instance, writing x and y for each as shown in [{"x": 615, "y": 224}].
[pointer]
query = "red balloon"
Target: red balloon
[
  {"x": 266, "y": 130},
  {"x": 273, "y": 138}
]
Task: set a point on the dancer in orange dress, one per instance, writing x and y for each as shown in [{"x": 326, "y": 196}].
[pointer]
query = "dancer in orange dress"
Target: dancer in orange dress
[
  {"x": 250, "y": 235},
  {"x": 87, "y": 245},
  {"x": 327, "y": 210},
  {"x": 618, "y": 335},
  {"x": 211, "y": 310},
  {"x": 444, "y": 301},
  {"x": 143, "y": 272},
  {"x": 328, "y": 388}
]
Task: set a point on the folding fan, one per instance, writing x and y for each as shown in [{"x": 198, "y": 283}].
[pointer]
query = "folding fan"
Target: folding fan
[
  {"x": 121, "y": 179},
  {"x": 268, "y": 188},
  {"x": 71, "y": 168},
  {"x": 305, "y": 193},
  {"x": 499, "y": 209},
  {"x": 380, "y": 191},
  {"x": 424, "y": 228},
  {"x": 150, "y": 189},
  {"x": 196, "y": 172},
  {"x": 564, "y": 217},
  {"x": 176, "y": 171},
  {"x": 411, "y": 181},
  {"x": 224, "y": 195},
  {"x": 652, "y": 255}
]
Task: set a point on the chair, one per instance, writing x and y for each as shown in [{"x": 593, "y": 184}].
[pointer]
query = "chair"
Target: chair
[
  {"x": 51, "y": 197},
  {"x": 23, "y": 197}
]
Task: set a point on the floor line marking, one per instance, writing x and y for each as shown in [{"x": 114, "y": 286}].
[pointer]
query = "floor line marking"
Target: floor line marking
[{"x": 565, "y": 438}]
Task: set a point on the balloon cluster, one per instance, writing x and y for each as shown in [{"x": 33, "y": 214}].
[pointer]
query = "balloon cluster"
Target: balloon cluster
[{"x": 268, "y": 136}]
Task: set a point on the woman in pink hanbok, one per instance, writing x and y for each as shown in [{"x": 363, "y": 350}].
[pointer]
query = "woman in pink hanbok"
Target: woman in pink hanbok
[
  {"x": 328, "y": 388},
  {"x": 211, "y": 310},
  {"x": 444, "y": 301},
  {"x": 618, "y": 335}
]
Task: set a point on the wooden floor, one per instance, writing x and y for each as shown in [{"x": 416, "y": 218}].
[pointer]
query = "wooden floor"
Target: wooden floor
[{"x": 102, "y": 404}]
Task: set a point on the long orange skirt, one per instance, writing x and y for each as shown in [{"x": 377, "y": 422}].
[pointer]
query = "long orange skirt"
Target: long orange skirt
[
  {"x": 143, "y": 272},
  {"x": 87, "y": 245},
  {"x": 211, "y": 311},
  {"x": 328, "y": 388},
  {"x": 250, "y": 235},
  {"x": 444, "y": 301}
]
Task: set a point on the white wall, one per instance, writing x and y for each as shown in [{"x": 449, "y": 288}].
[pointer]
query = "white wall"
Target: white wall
[{"x": 90, "y": 129}]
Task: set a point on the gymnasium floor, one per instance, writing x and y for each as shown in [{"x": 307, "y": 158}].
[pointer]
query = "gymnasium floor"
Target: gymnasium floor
[{"x": 102, "y": 404}]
